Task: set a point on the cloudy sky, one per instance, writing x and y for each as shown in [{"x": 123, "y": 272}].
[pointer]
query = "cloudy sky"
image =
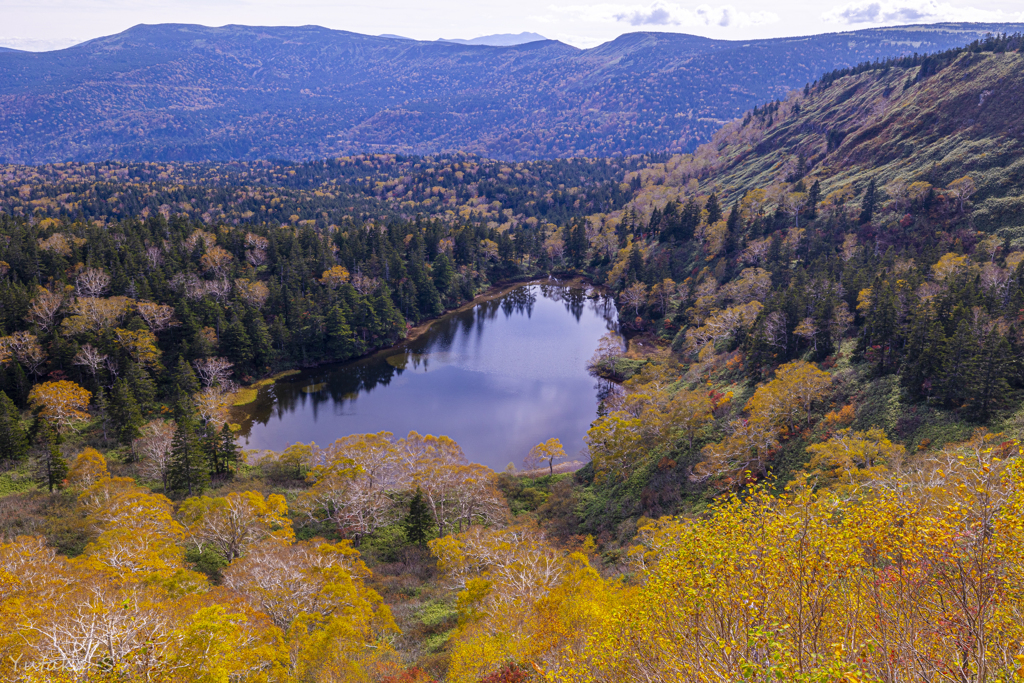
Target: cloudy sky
[{"x": 49, "y": 24}]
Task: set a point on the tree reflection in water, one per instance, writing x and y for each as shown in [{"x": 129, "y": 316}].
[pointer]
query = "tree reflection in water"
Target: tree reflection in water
[{"x": 521, "y": 371}]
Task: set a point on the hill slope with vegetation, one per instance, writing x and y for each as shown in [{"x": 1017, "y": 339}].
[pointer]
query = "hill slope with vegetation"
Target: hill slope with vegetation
[{"x": 191, "y": 93}]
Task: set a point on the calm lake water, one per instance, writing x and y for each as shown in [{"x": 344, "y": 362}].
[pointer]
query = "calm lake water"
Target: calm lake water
[{"x": 498, "y": 378}]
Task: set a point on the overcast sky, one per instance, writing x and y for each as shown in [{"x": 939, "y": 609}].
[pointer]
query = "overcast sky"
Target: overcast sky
[{"x": 50, "y": 24}]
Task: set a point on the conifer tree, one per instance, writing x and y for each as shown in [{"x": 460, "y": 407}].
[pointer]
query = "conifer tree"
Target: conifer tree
[
  {"x": 102, "y": 405},
  {"x": 418, "y": 522},
  {"x": 926, "y": 349},
  {"x": 124, "y": 412},
  {"x": 230, "y": 453},
  {"x": 222, "y": 451},
  {"x": 13, "y": 438},
  {"x": 988, "y": 384},
  {"x": 185, "y": 381},
  {"x": 51, "y": 467},
  {"x": 867, "y": 204},
  {"x": 259, "y": 335},
  {"x": 635, "y": 266},
  {"x": 732, "y": 226},
  {"x": 957, "y": 365},
  {"x": 813, "y": 197},
  {"x": 713, "y": 209},
  {"x": 443, "y": 274},
  {"x": 141, "y": 385},
  {"x": 339, "y": 340},
  {"x": 235, "y": 342},
  {"x": 188, "y": 472}
]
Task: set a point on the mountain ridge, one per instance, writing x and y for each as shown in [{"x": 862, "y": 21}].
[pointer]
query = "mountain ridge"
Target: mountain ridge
[{"x": 187, "y": 92}]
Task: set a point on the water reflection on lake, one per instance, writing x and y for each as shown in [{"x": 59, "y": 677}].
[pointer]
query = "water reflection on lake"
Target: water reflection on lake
[{"x": 498, "y": 378}]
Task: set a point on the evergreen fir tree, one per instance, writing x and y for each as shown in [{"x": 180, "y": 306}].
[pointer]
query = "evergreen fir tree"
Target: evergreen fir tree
[
  {"x": 185, "y": 381},
  {"x": 51, "y": 468},
  {"x": 689, "y": 221},
  {"x": 813, "y": 197},
  {"x": 867, "y": 204},
  {"x": 259, "y": 335},
  {"x": 443, "y": 274},
  {"x": 13, "y": 438},
  {"x": 141, "y": 385},
  {"x": 988, "y": 380},
  {"x": 713, "y": 209},
  {"x": 124, "y": 412},
  {"x": 235, "y": 342},
  {"x": 419, "y": 522},
  {"x": 732, "y": 227},
  {"x": 635, "y": 265},
  {"x": 339, "y": 340},
  {"x": 188, "y": 472},
  {"x": 102, "y": 405},
  {"x": 926, "y": 349},
  {"x": 230, "y": 454},
  {"x": 957, "y": 364}
]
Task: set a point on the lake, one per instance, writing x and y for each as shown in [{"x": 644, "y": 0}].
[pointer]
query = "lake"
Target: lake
[{"x": 499, "y": 378}]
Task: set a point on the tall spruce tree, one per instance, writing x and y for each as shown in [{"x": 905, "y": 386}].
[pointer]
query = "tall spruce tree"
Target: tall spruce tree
[
  {"x": 230, "y": 453},
  {"x": 418, "y": 522},
  {"x": 713, "y": 208},
  {"x": 188, "y": 472},
  {"x": 13, "y": 437},
  {"x": 50, "y": 465},
  {"x": 124, "y": 412},
  {"x": 185, "y": 381},
  {"x": 867, "y": 204},
  {"x": 957, "y": 365},
  {"x": 988, "y": 383}
]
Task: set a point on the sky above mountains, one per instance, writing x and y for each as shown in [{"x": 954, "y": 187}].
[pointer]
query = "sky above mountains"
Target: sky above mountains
[{"x": 53, "y": 24}]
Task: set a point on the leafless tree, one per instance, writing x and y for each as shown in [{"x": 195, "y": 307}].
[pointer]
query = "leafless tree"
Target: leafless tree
[
  {"x": 92, "y": 282},
  {"x": 153, "y": 449},
  {"x": 213, "y": 371},
  {"x": 157, "y": 316},
  {"x": 44, "y": 308},
  {"x": 90, "y": 357}
]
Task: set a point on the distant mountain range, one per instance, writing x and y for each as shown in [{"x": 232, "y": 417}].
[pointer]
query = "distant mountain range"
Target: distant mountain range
[
  {"x": 182, "y": 92},
  {"x": 499, "y": 39}
]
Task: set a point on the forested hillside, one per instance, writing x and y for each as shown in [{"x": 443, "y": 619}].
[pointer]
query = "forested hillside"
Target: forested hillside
[
  {"x": 191, "y": 93},
  {"x": 809, "y": 470}
]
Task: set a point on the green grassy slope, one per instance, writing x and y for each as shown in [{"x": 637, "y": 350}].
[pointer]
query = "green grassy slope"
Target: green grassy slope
[{"x": 887, "y": 124}]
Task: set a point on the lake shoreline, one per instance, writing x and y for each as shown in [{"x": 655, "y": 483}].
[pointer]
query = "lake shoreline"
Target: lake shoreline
[{"x": 241, "y": 413}]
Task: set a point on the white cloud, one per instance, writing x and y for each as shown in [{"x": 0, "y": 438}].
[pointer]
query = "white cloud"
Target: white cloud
[
  {"x": 668, "y": 14},
  {"x": 911, "y": 12},
  {"x": 38, "y": 44}
]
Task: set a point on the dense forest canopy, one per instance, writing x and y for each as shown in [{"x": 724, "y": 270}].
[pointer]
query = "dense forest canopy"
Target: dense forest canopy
[{"x": 808, "y": 470}]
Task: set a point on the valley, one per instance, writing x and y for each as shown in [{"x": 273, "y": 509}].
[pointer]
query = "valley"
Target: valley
[{"x": 743, "y": 410}]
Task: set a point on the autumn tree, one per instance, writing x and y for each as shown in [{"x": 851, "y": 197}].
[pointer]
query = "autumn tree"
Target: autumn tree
[
  {"x": 545, "y": 454},
  {"x": 62, "y": 401},
  {"x": 634, "y": 296},
  {"x": 851, "y": 458},
  {"x": 154, "y": 449},
  {"x": 45, "y": 307},
  {"x": 236, "y": 522},
  {"x": 334, "y": 277},
  {"x": 92, "y": 282},
  {"x": 88, "y": 467}
]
